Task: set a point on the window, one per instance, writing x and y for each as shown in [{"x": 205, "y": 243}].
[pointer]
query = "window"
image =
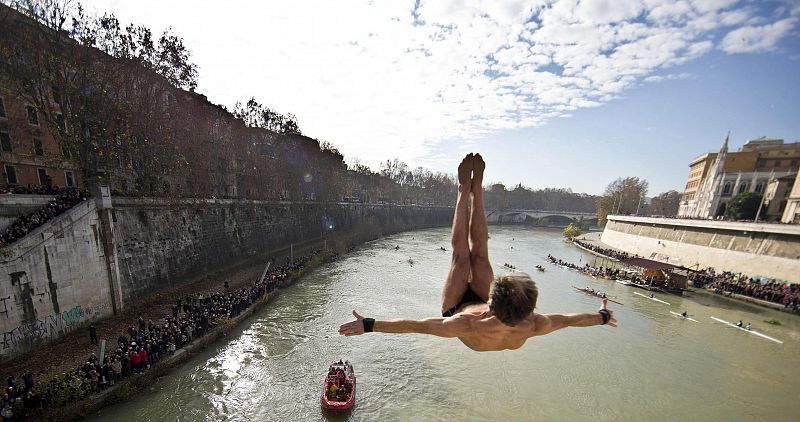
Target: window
[
  {"x": 70, "y": 179},
  {"x": 5, "y": 142},
  {"x": 11, "y": 175},
  {"x": 742, "y": 188},
  {"x": 43, "y": 177},
  {"x": 726, "y": 190},
  {"x": 777, "y": 163},
  {"x": 2, "y": 108},
  {"x": 794, "y": 163},
  {"x": 38, "y": 149},
  {"x": 33, "y": 116},
  {"x": 759, "y": 187}
]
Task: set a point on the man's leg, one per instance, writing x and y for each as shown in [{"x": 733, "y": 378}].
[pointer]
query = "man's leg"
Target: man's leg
[
  {"x": 482, "y": 274},
  {"x": 458, "y": 278}
]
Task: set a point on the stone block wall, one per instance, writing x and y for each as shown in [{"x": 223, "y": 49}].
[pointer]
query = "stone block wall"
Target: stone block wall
[
  {"x": 160, "y": 244},
  {"x": 53, "y": 281}
]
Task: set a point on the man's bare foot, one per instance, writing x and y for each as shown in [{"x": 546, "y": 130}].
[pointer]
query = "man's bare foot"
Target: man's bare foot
[
  {"x": 478, "y": 165},
  {"x": 465, "y": 173}
]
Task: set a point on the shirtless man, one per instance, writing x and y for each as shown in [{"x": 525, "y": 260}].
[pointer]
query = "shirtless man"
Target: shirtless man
[{"x": 485, "y": 313}]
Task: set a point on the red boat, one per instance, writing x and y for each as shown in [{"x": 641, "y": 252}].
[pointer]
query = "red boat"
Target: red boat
[
  {"x": 596, "y": 293},
  {"x": 339, "y": 390}
]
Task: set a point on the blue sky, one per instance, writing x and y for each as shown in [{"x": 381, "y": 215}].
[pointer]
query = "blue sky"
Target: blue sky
[{"x": 554, "y": 94}]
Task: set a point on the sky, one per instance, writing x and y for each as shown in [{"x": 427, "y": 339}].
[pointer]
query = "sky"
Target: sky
[{"x": 565, "y": 94}]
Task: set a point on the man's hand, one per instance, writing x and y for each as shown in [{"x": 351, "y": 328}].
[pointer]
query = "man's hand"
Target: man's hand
[
  {"x": 613, "y": 321},
  {"x": 353, "y": 328}
]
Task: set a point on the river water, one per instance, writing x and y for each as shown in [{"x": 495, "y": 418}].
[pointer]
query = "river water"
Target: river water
[{"x": 654, "y": 366}]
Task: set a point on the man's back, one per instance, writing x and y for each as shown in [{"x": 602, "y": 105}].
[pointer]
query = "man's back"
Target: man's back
[{"x": 486, "y": 333}]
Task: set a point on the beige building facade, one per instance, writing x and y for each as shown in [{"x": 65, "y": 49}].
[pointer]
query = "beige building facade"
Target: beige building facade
[{"x": 715, "y": 178}]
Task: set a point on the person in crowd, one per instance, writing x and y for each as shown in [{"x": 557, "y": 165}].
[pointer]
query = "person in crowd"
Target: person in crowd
[{"x": 93, "y": 334}]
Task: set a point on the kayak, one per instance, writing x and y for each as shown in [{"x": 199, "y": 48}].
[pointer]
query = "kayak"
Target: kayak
[
  {"x": 339, "y": 388},
  {"x": 594, "y": 293},
  {"x": 684, "y": 317},
  {"x": 652, "y": 298},
  {"x": 508, "y": 267}
]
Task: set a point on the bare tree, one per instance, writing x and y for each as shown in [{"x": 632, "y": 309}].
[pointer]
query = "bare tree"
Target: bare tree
[{"x": 103, "y": 91}]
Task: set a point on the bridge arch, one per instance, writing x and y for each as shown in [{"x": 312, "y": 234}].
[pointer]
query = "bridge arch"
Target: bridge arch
[{"x": 556, "y": 220}]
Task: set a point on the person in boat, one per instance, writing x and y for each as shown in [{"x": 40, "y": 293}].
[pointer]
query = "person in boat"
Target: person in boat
[
  {"x": 749, "y": 327},
  {"x": 344, "y": 392},
  {"x": 484, "y": 312},
  {"x": 652, "y": 295},
  {"x": 740, "y": 323},
  {"x": 333, "y": 391}
]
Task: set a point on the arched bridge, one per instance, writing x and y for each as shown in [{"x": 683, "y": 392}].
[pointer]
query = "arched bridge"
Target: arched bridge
[{"x": 542, "y": 218}]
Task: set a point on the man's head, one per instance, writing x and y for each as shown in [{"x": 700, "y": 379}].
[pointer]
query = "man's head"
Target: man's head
[{"x": 513, "y": 297}]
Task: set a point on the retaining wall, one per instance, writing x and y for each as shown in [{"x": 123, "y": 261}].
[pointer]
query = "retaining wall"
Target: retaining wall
[
  {"x": 770, "y": 250},
  {"x": 105, "y": 254}
]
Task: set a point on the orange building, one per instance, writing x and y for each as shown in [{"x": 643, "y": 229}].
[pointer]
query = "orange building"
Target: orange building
[{"x": 716, "y": 177}]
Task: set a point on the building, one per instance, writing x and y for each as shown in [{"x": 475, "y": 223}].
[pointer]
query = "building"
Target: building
[
  {"x": 29, "y": 155},
  {"x": 715, "y": 178}
]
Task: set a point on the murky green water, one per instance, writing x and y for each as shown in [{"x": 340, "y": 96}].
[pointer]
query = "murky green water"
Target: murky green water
[{"x": 653, "y": 367}]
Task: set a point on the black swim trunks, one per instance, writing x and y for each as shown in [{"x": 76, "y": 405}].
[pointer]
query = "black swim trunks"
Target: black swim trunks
[{"x": 469, "y": 297}]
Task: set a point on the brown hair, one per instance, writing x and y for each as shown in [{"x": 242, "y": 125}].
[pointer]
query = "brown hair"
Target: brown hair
[{"x": 513, "y": 297}]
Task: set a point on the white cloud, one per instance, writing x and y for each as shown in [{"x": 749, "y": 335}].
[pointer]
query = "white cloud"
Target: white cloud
[
  {"x": 751, "y": 39},
  {"x": 669, "y": 77},
  {"x": 383, "y": 79}
]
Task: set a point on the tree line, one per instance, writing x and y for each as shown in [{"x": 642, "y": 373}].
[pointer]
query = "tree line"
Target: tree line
[{"x": 121, "y": 105}]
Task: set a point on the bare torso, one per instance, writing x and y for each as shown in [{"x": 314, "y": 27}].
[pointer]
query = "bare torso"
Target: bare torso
[{"x": 487, "y": 333}]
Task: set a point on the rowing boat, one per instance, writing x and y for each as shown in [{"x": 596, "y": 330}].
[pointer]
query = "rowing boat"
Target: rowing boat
[
  {"x": 746, "y": 330},
  {"x": 593, "y": 293},
  {"x": 684, "y": 317},
  {"x": 507, "y": 267},
  {"x": 652, "y": 298}
]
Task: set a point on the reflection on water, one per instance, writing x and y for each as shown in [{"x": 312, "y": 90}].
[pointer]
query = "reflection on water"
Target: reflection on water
[{"x": 653, "y": 367}]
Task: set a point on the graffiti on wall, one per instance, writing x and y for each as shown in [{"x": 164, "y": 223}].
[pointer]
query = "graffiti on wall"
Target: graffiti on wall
[{"x": 30, "y": 333}]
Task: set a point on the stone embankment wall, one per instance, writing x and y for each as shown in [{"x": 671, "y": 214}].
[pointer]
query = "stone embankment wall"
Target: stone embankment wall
[
  {"x": 104, "y": 254},
  {"x": 159, "y": 244},
  {"x": 770, "y": 250},
  {"x": 53, "y": 280}
]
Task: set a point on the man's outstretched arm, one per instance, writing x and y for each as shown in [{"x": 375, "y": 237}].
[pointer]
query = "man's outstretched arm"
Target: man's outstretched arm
[
  {"x": 442, "y": 327},
  {"x": 547, "y": 323}
]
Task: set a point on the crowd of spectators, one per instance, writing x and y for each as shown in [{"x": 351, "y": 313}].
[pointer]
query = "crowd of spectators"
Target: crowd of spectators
[
  {"x": 610, "y": 253},
  {"x": 65, "y": 198},
  {"x": 145, "y": 343},
  {"x": 766, "y": 289},
  {"x": 605, "y": 272},
  {"x": 30, "y": 190}
]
